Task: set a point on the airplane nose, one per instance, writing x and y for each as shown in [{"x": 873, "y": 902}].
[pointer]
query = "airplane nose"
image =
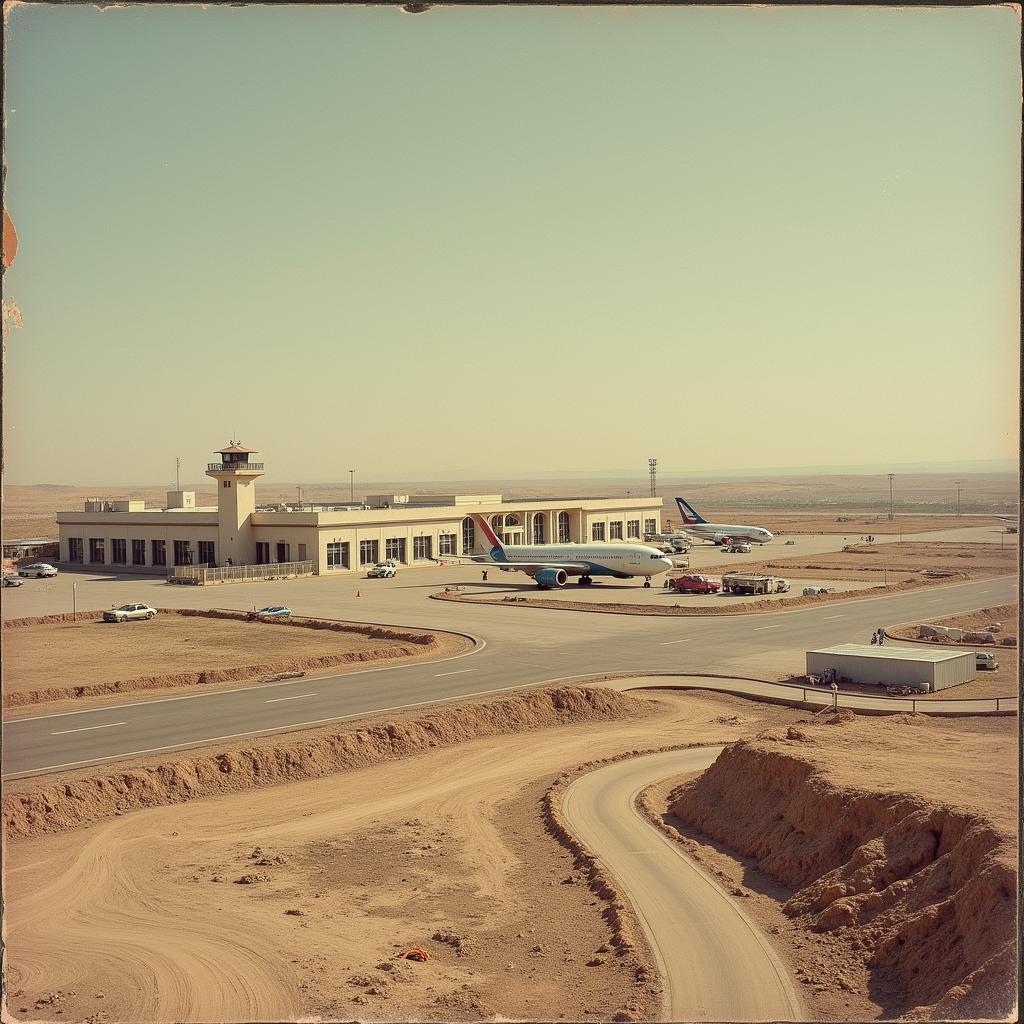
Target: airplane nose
[{"x": 668, "y": 562}]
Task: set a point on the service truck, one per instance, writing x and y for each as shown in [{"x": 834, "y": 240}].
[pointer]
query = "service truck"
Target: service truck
[
  {"x": 693, "y": 584},
  {"x": 752, "y": 583}
]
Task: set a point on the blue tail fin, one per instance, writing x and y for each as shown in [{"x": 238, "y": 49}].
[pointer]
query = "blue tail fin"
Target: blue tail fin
[{"x": 688, "y": 513}]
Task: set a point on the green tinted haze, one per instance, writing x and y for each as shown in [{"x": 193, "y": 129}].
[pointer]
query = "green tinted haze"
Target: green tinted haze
[{"x": 509, "y": 239}]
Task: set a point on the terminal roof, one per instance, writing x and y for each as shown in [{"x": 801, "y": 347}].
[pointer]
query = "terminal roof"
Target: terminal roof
[{"x": 892, "y": 653}]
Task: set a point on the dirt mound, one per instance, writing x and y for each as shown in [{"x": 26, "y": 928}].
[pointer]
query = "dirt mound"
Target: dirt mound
[
  {"x": 72, "y": 804},
  {"x": 917, "y": 876}
]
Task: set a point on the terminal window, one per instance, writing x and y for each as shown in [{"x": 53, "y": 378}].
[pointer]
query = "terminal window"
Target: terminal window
[
  {"x": 421, "y": 547},
  {"x": 563, "y": 527},
  {"x": 75, "y": 549},
  {"x": 446, "y": 544},
  {"x": 96, "y": 549},
  {"x": 597, "y": 531},
  {"x": 119, "y": 552},
  {"x": 138, "y": 552},
  {"x": 159, "y": 552},
  {"x": 337, "y": 554},
  {"x": 615, "y": 531},
  {"x": 262, "y": 552},
  {"x": 182, "y": 553},
  {"x": 650, "y": 526},
  {"x": 206, "y": 552},
  {"x": 468, "y": 536},
  {"x": 633, "y": 528},
  {"x": 368, "y": 552},
  {"x": 395, "y": 548}
]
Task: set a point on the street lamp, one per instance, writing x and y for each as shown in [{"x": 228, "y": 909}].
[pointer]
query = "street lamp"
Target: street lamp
[
  {"x": 958, "y": 483},
  {"x": 891, "y": 477},
  {"x": 352, "y": 486}
]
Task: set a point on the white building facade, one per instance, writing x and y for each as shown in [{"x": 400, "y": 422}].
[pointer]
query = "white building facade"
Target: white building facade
[{"x": 124, "y": 536}]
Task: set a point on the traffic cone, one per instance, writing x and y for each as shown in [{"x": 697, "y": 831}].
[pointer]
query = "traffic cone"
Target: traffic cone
[{"x": 358, "y": 594}]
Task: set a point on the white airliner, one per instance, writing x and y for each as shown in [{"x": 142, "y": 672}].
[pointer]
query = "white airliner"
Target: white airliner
[
  {"x": 550, "y": 565},
  {"x": 719, "y": 533}
]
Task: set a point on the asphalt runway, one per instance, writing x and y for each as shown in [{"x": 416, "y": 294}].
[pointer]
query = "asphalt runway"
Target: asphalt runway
[{"x": 523, "y": 647}]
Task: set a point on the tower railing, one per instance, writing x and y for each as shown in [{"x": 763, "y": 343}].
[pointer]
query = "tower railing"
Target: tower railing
[{"x": 220, "y": 467}]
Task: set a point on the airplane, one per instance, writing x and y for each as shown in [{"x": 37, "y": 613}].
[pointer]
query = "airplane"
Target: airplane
[
  {"x": 550, "y": 565},
  {"x": 718, "y": 533}
]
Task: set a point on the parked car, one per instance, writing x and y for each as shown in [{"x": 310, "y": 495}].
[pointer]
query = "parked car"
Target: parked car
[
  {"x": 982, "y": 659},
  {"x": 129, "y": 611},
  {"x": 37, "y": 569},
  {"x": 814, "y": 591},
  {"x": 382, "y": 571},
  {"x": 693, "y": 584},
  {"x": 274, "y": 611},
  {"x": 13, "y": 581},
  {"x": 738, "y": 549},
  {"x": 790, "y": 541}
]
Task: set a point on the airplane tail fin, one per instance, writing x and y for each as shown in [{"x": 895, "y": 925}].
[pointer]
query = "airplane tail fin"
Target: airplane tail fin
[
  {"x": 686, "y": 510},
  {"x": 495, "y": 548}
]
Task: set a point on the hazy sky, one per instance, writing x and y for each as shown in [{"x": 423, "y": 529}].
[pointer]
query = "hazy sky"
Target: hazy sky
[{"x": 510, "y": 239}]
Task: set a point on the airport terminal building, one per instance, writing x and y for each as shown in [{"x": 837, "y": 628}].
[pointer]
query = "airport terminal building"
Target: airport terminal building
[{"x": 122, "y": 535}]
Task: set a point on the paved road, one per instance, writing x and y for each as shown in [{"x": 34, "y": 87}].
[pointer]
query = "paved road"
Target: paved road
[
  {"x": 715, "y": 963},
  {"x": 524, "y": 646}
]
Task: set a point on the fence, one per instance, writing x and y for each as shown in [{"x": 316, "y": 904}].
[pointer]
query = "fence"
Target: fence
[{"x": 198, "y": 575}]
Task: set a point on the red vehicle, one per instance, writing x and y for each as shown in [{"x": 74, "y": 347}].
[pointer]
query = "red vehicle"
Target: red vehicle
[{"x": 693, "y": 584}]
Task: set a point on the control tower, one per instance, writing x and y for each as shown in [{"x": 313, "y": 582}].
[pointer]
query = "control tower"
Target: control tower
[{"x": 236, "y": 502}]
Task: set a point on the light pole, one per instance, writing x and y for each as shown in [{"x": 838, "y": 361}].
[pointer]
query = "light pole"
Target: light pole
[
  {"x": 652, "y": 468},
  {"x": 352, "y": 486},
  {"x": 299, "y": 489},
  {"x": 74, "y": 598},
  {"x": 958, "y": 483},
  {"x": 891, "y": 515}
]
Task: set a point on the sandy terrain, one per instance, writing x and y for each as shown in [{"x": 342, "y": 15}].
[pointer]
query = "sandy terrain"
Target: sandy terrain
[
  {"x": 447, "y": 851},
  {"x": 792, "y": 504},
  {"x": 898, "y": 886},
  {"x": 93, "y": 662}
]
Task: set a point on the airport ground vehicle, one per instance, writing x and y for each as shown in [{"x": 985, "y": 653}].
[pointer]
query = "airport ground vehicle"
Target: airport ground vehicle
[
  {"x": 37, "y": 569},
  {"x": 13, "y": 581},
  {"x": 984, "y": 660},
  {"x": 752, "y": 583},
  {"x": 382, "y": 570},
  {"x": 814, "y": 591},
  {"x": 737, "y": 549},
  {"x": 274, "y": 611},
  {"x": 693, "y": 584},
  {"x": 126, "y": 612}
]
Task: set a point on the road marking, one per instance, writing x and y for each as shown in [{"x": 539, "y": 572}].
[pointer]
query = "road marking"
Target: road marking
[
  {"x": 686, "y": 641},
  {"x": 88, "y": 728},
  {"x": 982, "y": 593},
  {"x": 778, "y": 625},
  {"x": 835, "y": 616},
  {"x": 298, "y": 696},
  {"x": 437, "y": 675}
]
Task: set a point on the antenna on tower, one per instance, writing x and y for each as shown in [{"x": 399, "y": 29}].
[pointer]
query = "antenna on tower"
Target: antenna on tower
[
  {"x": 652, "y": 466},
  {"x": 177, "y": 474}
]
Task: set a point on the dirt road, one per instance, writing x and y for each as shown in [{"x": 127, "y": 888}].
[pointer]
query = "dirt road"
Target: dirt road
[{"x": 715, "y": 963}]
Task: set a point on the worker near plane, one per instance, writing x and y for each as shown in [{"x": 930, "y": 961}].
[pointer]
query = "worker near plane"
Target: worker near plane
[
  {"x": 550, "y": 565},
  {"x": 719, "y": 533}
]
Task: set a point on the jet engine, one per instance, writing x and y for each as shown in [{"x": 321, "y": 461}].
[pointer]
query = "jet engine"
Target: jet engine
[{"x": 546, "y": 578}]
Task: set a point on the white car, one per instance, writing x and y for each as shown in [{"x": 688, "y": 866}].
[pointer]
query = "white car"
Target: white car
[
  {"x": 129, "y": 611},
  {"x": 37, "y": 569},
  {"x": 738, "y": 549},
  {"x": 13, "y": 581},
  {"x": 382, "y": 570}
]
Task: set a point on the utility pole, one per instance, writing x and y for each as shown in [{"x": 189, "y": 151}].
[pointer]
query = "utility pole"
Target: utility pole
[
  {"x": 177, "y": 474},
  {"x": 299, "y": 489},
  {"x": 352, "y": 486},
  {"x": 891, "y": 514},
  {"x": 958, "y": 483},
  {"x": 652, "y": 466}
]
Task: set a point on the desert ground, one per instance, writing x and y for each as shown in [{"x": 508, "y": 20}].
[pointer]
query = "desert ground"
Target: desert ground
[
  {"x": 788, "y": 504},
  {"x": 313, "y": 889},
  {"x": 91, "y": 662}
]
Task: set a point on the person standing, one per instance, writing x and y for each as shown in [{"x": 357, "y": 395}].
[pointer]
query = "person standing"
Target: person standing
[
  {"x": 484, "y": 576},
  {"x": 835, "y": 695}
]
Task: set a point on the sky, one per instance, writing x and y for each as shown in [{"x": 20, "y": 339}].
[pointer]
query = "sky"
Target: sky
[{"x": 509, "y": 240}]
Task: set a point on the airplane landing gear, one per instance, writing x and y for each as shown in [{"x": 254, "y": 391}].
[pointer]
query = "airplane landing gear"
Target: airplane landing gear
[
  {"x": 647, "y": 581},
  {"x": 585, "y": 581}
]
